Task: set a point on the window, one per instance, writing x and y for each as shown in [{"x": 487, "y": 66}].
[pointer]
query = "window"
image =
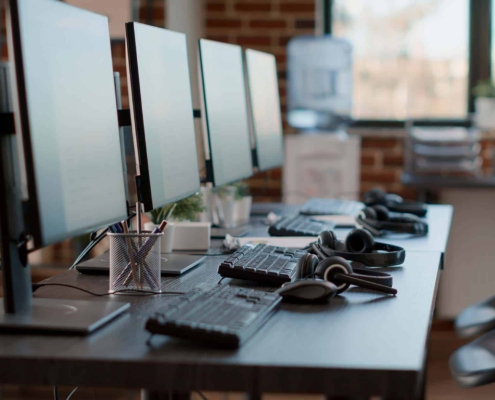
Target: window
[{"x": 411, "y": 57}]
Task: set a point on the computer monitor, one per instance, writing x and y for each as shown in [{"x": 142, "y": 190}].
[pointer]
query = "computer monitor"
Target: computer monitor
[
  {"x": 162, "y": 115},
  {"x": 224, "y": 112},
  {"x": 264, "y": 107},
  {"x": 66, "y": 117},
  {"x": 69, "y": 155}
]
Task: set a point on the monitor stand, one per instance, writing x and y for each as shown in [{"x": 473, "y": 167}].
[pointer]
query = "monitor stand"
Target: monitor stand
[
  {"x": 76, "y": 317},
  {"x": 19, "y": 311}
]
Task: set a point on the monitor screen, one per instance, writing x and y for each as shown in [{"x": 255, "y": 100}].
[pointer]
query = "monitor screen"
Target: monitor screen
[
  {"x": 225, "y": 111},
  {"x": 162, "y": 114},
  {"x": 66, "y": 113},
  {"x": 262, "y": 80}
]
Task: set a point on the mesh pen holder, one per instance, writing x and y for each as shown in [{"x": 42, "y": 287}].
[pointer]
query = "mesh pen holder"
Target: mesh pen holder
[{"x": 135, "y": 262}]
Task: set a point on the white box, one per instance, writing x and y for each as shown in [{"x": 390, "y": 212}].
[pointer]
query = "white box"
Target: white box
[{"x": 192, "y": 235}]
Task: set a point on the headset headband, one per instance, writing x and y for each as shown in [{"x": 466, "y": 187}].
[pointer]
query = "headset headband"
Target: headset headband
[
  {"x": 400, "y": 225},
  {"x": 408, "y": 206},
  {"x": 394, "y": 255}
]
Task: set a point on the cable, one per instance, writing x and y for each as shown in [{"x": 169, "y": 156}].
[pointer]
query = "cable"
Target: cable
[
  {"x": 89, "y": 247},
  {"x": 201, "y": 395},
  {"x": 40, "y": 285},
  {"x": 94, "y": 241},
  {"x": 55, "y": 393},
  {"x": 71, "y": 393}
]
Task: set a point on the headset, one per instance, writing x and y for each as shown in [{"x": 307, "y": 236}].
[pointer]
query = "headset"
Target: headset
[
  {"x": 394, "y": 202},
  {"x": 378, "y": 221},
  {"x": 339, "y": 272},
  {"x": 359, "y": 246}
]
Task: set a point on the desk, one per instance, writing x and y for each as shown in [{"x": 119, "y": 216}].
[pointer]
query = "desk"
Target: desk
[
  {"x": 361, "y": 344},
  {"x": 439, "y": 218}
]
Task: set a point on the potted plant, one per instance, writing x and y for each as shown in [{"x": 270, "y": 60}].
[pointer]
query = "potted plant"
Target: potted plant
[
  {"x": 184, "y": 210},
  {"x": 484, "y": 93},
  {"x": 235, "y": 201}
]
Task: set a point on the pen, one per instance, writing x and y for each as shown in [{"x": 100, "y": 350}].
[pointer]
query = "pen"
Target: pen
[
  {"x": 143, "y": 252},
  {"x": 131, "y": 255}
]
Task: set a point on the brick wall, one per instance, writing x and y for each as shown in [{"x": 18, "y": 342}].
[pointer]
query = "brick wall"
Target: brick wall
[
  {"x": 265, "y": 25},
  {"x": 268, "y": 25},
  {"x": 152, "y": 13}
]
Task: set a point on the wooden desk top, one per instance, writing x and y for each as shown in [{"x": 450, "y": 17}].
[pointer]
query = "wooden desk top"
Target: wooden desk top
[{"x": 362, "y": 343}]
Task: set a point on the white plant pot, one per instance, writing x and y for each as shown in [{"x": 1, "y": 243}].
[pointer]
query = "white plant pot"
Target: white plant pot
[
  {"x": 242, "y": 210},
  {"x": 485, "y": 113},
  {"x": 226, "y": 211},
  {"x": 167, "y": 239}
]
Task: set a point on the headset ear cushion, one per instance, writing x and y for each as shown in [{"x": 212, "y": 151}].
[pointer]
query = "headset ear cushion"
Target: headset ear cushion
[
  {"x": 375, "y": 196},
  {"x": 381, "y": 212},
  {"x": 328, "y": 239},
  {"x": 360, "y": 241},
  {"x": 306, "y": 265},
  {"x": 369, "y": 213},
  {"x": 331, "y": 266}
]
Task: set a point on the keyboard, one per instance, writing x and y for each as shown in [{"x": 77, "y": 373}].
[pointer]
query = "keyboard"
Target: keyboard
[
  {"x": 299, "y": 225},
  {"x": 224, "y": 316},
  {"x": 320, "y": 206},
  {"x": 259, "y": 262}
]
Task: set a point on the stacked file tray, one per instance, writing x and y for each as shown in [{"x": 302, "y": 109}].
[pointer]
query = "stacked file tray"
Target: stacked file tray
[{"x": 443, "y": 151}]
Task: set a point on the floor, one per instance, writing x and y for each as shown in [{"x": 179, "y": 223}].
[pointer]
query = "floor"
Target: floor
[{"x": 440, "y": 385}]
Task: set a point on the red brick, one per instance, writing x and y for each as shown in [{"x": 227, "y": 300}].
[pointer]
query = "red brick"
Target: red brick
[
  {"x": 275, "y": 173},
  {"x": 219, "y": 38},
  {"x": 486, "y": 144},
  {"x": 270, "y": 192},
  {"x": 304, "y": 24},
  {"x": 386, "y": 143},
  {"x": 223, "y": 23},
  {"x": 214, "y": 6},
  {"x": 253, "y": 6},
  {"x": 384, "y": 176},
  {"x": 5, "y": 53},
  {"x": 281, "y": 58},
  {"x": 118, "y": 49},
  {"x": 247, "y": 40},
  {"x": 367, "y": 159},
  {"x": 297, "y": 8},
  {"x": 407, "y": 193},
  {"x": 393, "y": 160},
  {"x": 156, "y": 13},
  {"x": 268, "y": 23},
  {"x": 284, "y": 40}
]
